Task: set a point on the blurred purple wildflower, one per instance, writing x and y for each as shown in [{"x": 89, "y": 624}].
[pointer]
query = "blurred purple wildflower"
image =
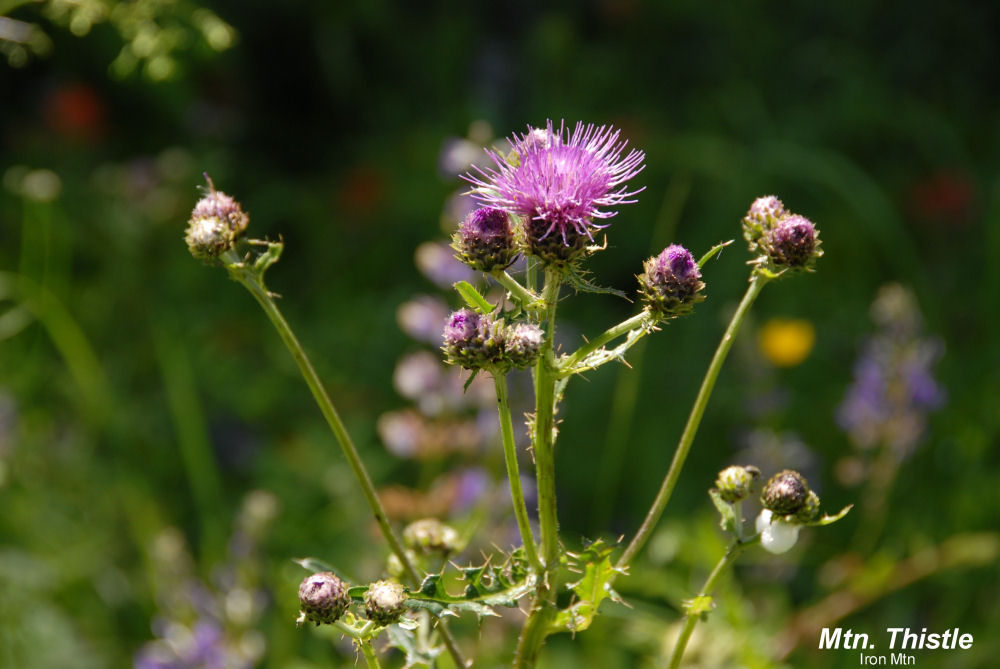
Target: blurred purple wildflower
[
  {"x": 437, "y": 262},
  {"x": 421, "y": 318},
  {"x": 561, "y": 179},
  {"x": 894, "y": 388}
]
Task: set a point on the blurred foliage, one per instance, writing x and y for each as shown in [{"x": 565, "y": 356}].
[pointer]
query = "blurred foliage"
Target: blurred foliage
[{"x": 141, "y": 392}]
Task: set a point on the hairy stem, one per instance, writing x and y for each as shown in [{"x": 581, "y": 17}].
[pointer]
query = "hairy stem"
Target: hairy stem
[
  {"x": 734, "y": 552},
  {"x": 513, "y": 473},
  {"x": 370, "y": 658},
  {"x": 536, "y": 627},
  {"x": 757, "y": 282},
  {"x": 252, "y": 282}
]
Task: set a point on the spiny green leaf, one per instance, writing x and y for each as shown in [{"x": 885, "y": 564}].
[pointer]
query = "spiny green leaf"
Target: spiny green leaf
[
  {"x": 727, "y": 514},
  {"x": 472, "y": 297},
  {"x": 712, "y": 252},
  {"x": 578, "y": 279},
  {"x": 416, "y": 654},
  {"x": 829, "y": 520},
  {"x": 594, "y": 586}
]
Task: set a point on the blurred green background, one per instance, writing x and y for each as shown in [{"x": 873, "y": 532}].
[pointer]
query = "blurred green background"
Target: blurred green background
[{"x": 161, "y": 461}]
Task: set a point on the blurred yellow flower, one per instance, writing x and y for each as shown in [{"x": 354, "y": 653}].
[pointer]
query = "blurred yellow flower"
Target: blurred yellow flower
[{"x": 786, "y": 342}]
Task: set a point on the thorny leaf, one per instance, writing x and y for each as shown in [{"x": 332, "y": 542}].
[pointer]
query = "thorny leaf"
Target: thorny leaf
[
  {"x": 472, "y": 297},
  {"x": 578, "y": 279},
  {"x": 406, "y": 641},
  {"x": 712, "y": 252},
  {"x": 594, "y": 586},
  {"x": 829, "y": 520},
  {"x": 605, "y": 355},
  {"x": 727, "y": 514}
]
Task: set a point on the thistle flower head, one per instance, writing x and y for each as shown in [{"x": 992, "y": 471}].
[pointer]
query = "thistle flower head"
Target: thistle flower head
[
  {"x": 671, "y": 284},
  {"x": 792, "y": 242},
  {"x": 217, "y": 221},
  {"x": 323, "y": 597},
  {"x": 430, "y": 535},
  {"x": 384, "y": 602},
  {"x": 523, "y": 341},
  {"x": 485, "y": 240},
  {"x": 786, "y": 493},
  {"x": 472, "y": 340},
  {"x": 763, "y": 214},
  {"x": 736, "y": 483},
  {"x": 559, "y": 183}
]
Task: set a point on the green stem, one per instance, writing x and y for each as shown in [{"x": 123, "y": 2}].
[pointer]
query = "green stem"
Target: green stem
[
  {"x": 370, "y": 658},
  {"x": 528, "y": 299},
  {"x": 252, "y": 282},
  {"x": 537, "y": 626},
  {"x": 757, "y": 282},
  {"x": 692, "y": 618},
  {"x": 640, "y": 320},
  {"x": 513, "y": 473}
]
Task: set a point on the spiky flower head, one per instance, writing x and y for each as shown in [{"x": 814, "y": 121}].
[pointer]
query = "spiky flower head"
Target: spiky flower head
[
  {"x": 786, "y": 493},
  {"x": 671, "y": 284},
  {"x": 523, "y": 341},
  {"x": 763, "y": 214},
  {"x": 384, "y": 602},
  {"x": 323, "y": 597},
  {"x": 485, "y": 240},
  {"x": 472, "y": 340},
  {"x": 559, "y": 183},
  {"x": 217, "y": 221},
  {"x": 792, "y": 242},
  {"x": 736, "y": 483},
  {"x": 430, "y": 535}
]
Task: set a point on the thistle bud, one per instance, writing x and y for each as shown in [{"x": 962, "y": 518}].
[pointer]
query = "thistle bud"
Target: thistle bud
[
  {"x": 384, "y": 602},
  {"x": 792, "y": 242},
  {"x": 430, "y": 535},
  {"x": 472, "y": 340},
  {"x": 764, "y": 213},
  {"x": 523, "y": 342},
  {"x": 736, "y": 483},
  {"x": 786, "y": 493},
  {"x": 217, "y": 221},
  {"x": 323, "y": 597},
  {"x": 810, "y": 509},
  {"x": 671, "y": 284},
  {"x": 485, "y": 240},
  {"x": 776, "y": 535}
]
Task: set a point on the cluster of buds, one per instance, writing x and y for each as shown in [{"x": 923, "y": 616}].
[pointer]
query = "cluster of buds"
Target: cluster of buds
[
  {"x": 778, "y": 236},
  {"x": 477, "y": 341},
  {"x": 324, "y": 598},
  {"x": 788, "y": 504},
  {"x": 671, "y": 284},
  {"x": 217, "y": 221}
]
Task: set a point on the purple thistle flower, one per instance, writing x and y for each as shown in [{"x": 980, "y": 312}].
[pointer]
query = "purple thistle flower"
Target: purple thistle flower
[
  {"x": 671, "y": 282},
  {"x": 792, "y": 241},
  {"x": 560, "y": 182},
  {"x": 472, "y": 340}
]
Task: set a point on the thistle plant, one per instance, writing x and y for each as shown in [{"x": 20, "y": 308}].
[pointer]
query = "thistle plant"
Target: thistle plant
[{"x": 546, "y": 197}]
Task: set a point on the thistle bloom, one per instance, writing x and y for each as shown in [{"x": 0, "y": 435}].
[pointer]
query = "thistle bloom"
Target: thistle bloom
[
  {"x": 485, "y": 240},
  {"x": 560, "y": 182},
  {"x": 671, "y": 284},
  {"x": 792, "y": 242}
]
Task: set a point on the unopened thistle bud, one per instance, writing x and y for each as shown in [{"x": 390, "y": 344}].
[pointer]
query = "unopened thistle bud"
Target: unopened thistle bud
[
  {"x": 323, "y": 597},
  {"x": 217, "y": 221},
  {"x": 764, "y": 213},
  {"x": 472, "y": 340},
  {"x": 430, "y": 535},
  {"x": 736, "y": 483},
  {"x": 792, "y": 242},
  {"x": 485, "y": 240},
  {"x": 523, "y": 341},
  {"x": 385, "y": 602},
  {"x": 786, "y": 493},
  {"x": 671, "y": 284}
]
